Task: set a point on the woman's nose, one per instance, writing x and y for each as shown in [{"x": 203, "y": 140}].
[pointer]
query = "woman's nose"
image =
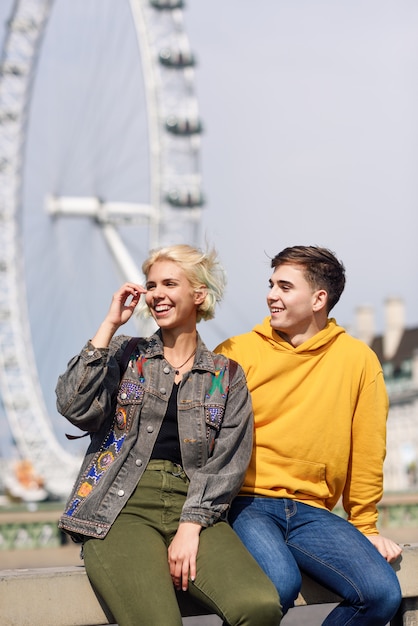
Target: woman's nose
[{"x": 158, "y": 292}]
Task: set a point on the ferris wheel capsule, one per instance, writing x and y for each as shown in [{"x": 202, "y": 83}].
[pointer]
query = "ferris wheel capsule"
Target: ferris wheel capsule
[
  {"x": 167, "y": 4},
  {"x": 184, "y": 125}
]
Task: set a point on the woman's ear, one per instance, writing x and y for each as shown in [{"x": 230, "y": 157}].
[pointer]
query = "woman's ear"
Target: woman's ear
[{"x": 200, "y": 294}]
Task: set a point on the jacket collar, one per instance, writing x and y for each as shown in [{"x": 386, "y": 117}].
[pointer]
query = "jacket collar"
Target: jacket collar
[{"x": 204, "y": 358}]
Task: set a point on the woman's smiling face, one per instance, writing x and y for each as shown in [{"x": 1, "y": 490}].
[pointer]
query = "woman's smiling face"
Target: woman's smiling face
[{"x": 170, "y": 296}]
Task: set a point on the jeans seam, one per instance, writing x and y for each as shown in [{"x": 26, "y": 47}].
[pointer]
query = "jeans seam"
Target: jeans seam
[{"x": 336, "y": 571}]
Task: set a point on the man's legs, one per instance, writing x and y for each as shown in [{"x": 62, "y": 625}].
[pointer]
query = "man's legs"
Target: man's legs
[
  {"x": 333, "y": 552},
  {"x": 327, "y": 548}
]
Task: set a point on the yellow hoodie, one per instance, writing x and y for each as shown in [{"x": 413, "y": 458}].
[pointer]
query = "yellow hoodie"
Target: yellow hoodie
[{"x": 320, "y": 413}]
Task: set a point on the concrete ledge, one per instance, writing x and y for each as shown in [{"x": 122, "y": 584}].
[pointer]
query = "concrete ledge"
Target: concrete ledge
[{"x": 62, "y": 596}]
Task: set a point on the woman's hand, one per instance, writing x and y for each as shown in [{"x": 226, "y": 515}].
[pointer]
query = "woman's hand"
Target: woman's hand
[
  {"x": 182, "y": 554},
  {"x": 387, "y": 548},
  {"x": 123, "y": 304}
]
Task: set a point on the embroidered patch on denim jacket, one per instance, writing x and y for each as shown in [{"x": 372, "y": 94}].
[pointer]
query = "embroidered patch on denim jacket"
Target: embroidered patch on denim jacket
[
  {"x": 214, "y": 415},
  {"x": 101, "y": 462},
  {"x": 130, "y": 392}
]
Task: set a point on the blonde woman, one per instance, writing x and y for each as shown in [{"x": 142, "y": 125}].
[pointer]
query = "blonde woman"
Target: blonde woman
[{"x": 171, "y": 441}]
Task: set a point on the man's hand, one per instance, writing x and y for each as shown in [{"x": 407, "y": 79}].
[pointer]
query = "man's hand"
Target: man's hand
[
  {"x": 182, "y": 554},
  {"x": 387, "y": 548}
]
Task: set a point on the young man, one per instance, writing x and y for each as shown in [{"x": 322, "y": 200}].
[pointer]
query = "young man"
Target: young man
[{"x": 320, "y": 407}]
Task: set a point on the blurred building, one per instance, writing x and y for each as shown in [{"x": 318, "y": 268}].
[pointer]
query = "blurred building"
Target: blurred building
[{"x": 397, "y": 350}]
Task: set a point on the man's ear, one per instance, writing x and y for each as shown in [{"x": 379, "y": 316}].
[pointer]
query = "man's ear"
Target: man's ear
[
  {"x": 200, "y": 294},
  {"x": 320, "y": 300}
]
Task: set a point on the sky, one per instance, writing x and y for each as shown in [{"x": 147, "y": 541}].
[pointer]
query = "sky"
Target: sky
[{"x": 310, "y": 137}]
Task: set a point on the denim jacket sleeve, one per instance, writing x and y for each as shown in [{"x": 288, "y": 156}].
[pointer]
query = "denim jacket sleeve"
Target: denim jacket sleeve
[
  {"x": 87, "y": 390},
  {"x": 214, "y": 485}
]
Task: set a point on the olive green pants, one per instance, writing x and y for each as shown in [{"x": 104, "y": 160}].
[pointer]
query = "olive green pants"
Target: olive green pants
[{"x": 129, "y": 567}]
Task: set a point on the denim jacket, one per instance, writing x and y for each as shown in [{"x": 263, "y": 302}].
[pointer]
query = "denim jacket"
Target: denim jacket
[{"x": 124, "y": 417}]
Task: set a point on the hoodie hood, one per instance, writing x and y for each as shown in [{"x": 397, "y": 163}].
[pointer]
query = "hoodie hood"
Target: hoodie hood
[{"x": 320, "y": 340}]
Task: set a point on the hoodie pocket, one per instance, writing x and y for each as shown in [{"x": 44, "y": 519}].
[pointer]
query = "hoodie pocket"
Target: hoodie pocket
[{"x": 295, "y": 476}]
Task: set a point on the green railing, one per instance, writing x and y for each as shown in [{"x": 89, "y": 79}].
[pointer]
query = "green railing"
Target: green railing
[{"x": 21, "y": 528}]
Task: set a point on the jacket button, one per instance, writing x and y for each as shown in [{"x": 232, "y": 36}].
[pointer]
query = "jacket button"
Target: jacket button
[
  {"x": 99, "y": 530},
  {"x": 123, "y": 396},
  {"x": 90, "y": 352},
  {"x": 150, "y": 429},
  {"x": 121, "y": 492},
  {"x": 166, "y": 370},
  {"x": 138, "y": 462},
  {"x": 163, "y": 390}
]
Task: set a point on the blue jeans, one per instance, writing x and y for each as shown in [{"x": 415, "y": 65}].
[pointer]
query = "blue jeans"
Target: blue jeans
[{"x": 287, "y": 537}]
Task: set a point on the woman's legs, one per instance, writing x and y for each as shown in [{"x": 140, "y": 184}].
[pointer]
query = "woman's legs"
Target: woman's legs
[
  {"x": 129, "y": 567},
  {"x": 230, "y": 582},
  {"x": 129, "y": 571}
]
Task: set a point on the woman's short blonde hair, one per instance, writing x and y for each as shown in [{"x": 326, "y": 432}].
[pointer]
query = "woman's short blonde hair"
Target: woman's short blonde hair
[{"x": 201, "y": 268}]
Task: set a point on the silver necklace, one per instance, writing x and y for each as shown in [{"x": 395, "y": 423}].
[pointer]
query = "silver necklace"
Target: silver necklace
[{"x": 178, "y": 367}]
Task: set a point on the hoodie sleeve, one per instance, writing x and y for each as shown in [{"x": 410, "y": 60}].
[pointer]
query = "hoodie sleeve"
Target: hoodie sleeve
[{"x": 364, "y": 486}]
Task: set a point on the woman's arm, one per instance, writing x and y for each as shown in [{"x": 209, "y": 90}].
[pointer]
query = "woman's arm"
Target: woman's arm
[
  {"x": 123, "y": 305},
  {"x": 182, "y": 554},
  {"x": 85, "y": 391},
  {"x": 213, "y": 486}
]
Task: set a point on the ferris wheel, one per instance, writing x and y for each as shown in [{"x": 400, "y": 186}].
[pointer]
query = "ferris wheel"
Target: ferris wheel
[{"x": 109, "y": 171}]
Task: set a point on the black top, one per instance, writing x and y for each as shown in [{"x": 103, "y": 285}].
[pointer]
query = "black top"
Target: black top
[{"x": 167, "y": 446}]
